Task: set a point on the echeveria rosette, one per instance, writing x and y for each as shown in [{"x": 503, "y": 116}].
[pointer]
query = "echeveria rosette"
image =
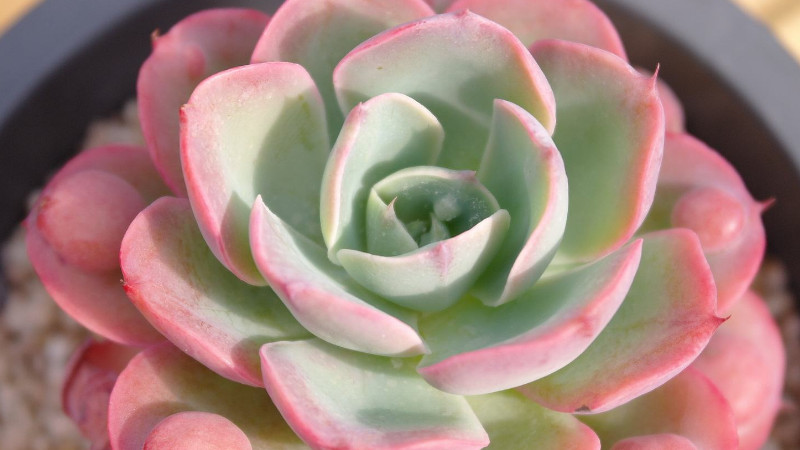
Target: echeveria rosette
[
  {"x": 415, "y": 231},
  {"x": 441, "y": 214}
]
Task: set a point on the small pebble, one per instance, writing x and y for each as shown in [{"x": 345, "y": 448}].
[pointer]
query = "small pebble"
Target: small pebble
[{"x": 15, "y": 258}]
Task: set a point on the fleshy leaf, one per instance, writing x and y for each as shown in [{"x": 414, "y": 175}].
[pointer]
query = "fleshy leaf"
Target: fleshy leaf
[
  {"x": 337, "y": 398},
  {"x": 97, "y": 301},
  {"x": 516, "y": 423},
  {"x": 438, "y": 231},
  {"x": 319, "y": 33},
  {"x": 383, "y": 135},
  {"x": 322, "y": 297},
  {"x": 476, "y": 349},
  {"x": 655, "y": 442},
  {"x": 674, "y": 117},
  {"x": 698, "y": 189},
  {"x": 90, "y": 377},
  {"x": 193, "y": 49},
  {"x": 178, "y": 284},
  {"x": 455, "y": 65},
  {"x": 524, "y": 171},
  {"x": 116, "y": 177},
  {"x": 129, "y": 163},
  {"x": 571, "y": 20},
  {"x": 610, "y": 134},
  {"x": 688, "y": 405},
  {"x": 386, "y": 233},
  {"x": 191, "y": 430},
  {"x": 663, "y": 324},
  {"x": 454, "y": 197},
  {"x": 162, "y": 381},
  {"x": 253, "y": 130},
  {"x": 746, "y": 360},
  {"x": 436, "y": 275},
  {"x": 66, "y": 220}
]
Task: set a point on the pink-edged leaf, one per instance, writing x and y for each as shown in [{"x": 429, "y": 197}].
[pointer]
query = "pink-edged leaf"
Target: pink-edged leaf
[
  {"x": 531, "y": 20},
  {"x": 655, "y": 442},
  {"x": 456, "y": 65},
  {"x": 253, "y": 130},
  {"x": 688, "y": 405},
  {"x": 522, "y": 168},
  {"x": 84, "y": 216},
  {"x": 89, "y": 379},
  {"x": 674, "y": 117},
  {"x": 476, "y": 349},
  {"x": 96, "y": 301},
  {"x": 178, "y": 284},
  {"x": 432, "y": 277},
  {"x": 337, "y": 398},
  {"x": 516, "y": 423},
  {"x": 321, "y": 295},
  {"x": 162, "y": 381},
  {"x": 74, "y": 250},
  {"x": 698, "y": 189},
  {"x": 746, "y": 360},
  {"x": 319, "y": 33},
  {"x": 381, "y": 136},
  {"x": 663, "y": 324},
  {"x": 193, "y": 49},
  {"x": 117, "y": 179},
  {"x": 191, "y": 430},
  {"x": 130, "y": 163},
  {"x": 610, "y": 133}
]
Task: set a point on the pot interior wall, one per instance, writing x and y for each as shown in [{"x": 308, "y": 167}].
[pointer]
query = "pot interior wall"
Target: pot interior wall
[{"x": 41, "y": 133}]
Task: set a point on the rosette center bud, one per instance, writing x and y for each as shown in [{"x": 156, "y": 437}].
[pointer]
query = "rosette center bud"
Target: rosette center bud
[
  {"x": 430, "y": 233},
  {"x": 418, "y": 206}
]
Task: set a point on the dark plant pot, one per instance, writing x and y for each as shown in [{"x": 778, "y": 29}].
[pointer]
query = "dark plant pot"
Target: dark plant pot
[{"x": 68, "y": 63}]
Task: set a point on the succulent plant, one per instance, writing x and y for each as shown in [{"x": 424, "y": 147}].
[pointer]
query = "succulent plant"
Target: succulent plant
[{"x": 393, "y": 228}]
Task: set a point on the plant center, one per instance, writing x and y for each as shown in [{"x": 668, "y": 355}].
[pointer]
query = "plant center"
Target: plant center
[{"x": 418, "y": 206}]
